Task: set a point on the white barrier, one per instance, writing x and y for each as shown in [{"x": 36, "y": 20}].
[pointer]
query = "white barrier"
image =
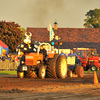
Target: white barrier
[{"x": 8, "y": 65}]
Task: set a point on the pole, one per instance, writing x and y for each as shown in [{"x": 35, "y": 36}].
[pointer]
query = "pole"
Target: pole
[{"x": 58, "y": 48}]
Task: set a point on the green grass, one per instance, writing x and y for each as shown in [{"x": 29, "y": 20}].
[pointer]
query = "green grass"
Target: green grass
[
  {"x": 8, "y": 72},
  {"x": 91, "y": 71}
]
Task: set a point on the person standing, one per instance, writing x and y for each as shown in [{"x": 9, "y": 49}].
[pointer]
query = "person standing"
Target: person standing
[{"x": 4, "y": 57}]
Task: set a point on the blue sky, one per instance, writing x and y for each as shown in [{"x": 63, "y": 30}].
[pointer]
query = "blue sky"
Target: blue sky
[{"x": 37, "y": 13}]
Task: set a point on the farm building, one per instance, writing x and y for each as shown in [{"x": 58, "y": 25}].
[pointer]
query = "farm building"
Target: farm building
[
  {"x": 3, "y": 48},
  {"x": 72, "y": 37}
]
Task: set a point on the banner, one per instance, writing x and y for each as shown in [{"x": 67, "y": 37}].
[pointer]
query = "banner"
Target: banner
[{"x": 51, "y": 33}]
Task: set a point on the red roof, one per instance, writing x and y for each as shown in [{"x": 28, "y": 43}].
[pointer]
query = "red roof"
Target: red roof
[
  {"x": 67, "y": 34},
  {"x": 3, "y": 45}
]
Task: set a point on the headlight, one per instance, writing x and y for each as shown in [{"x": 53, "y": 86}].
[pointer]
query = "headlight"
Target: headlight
[{"x": 22, "y": 62}]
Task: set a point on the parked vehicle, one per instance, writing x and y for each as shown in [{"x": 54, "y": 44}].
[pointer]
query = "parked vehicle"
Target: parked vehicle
[{"x": 89, "y": 58}]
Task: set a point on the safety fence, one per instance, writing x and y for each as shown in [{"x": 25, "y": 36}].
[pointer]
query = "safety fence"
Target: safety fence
[{"x": 8, "y": 65}]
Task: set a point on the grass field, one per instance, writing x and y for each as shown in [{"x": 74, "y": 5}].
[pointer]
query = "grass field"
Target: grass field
[
  {"x": 15, "y": 72},
  {"x": 8, "y": 72}
]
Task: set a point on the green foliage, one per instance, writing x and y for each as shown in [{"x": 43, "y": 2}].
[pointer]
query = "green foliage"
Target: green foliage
[
  {"x": 93, "y": 19},
  {"x": 24, "y": 31},
  {"x": 10, "y": 34}
]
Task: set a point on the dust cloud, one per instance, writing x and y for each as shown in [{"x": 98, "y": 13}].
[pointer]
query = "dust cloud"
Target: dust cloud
[
  {"x": 68, "y": 13},
  {"x": 42, "y": 11}
]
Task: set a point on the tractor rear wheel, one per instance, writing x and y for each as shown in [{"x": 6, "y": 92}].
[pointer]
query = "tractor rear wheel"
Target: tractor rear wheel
[
  {"x": 69, "y": 73},
  {"x": 79, "y": 71},
  {"x": 51, "y": 67},
  {"x": 61, "y": 67},
  {"x": 42, "y": 72},
  {"x": 93, "y": 68}
]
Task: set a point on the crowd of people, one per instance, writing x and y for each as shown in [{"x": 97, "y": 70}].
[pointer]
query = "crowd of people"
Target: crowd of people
[{"x": 10, "y": 58}]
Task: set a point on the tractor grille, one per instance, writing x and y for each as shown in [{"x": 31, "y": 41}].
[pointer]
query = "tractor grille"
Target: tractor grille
[{"x": 29, "y": 62}]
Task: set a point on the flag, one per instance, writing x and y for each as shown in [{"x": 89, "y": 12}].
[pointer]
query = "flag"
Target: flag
[{"x": 51, "y": 31}]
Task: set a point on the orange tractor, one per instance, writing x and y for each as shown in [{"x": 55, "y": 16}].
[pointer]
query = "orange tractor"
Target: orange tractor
[{"x": 32, "y": 63}]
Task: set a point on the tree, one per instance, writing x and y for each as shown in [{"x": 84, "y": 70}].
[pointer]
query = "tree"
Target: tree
[
  {"x": 93, "y": 19},
  {"x": 10, "y": 34},
  {"x": 24, "y": 31}
]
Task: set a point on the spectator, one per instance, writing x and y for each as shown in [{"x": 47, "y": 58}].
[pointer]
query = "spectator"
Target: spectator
[
  {"x": 4, "y": 57},
  {"x": 16, "y": 60},
  {"x": 62, "y": 53},
  {"x": 8, "y": 57}
]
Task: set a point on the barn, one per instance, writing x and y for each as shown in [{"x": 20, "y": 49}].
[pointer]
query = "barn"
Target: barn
[{"x": 72, "y": 37}]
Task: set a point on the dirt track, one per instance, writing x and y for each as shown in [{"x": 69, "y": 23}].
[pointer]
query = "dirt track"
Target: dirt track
[{"x": 74, "y": 88}]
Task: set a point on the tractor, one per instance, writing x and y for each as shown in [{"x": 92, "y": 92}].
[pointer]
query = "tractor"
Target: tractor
[
  {"x": 32, "y": 63},
  {"x": 55, "y": 66},
  {"x": 74, "y": 68},
  {"x": 89, "y": 58}
]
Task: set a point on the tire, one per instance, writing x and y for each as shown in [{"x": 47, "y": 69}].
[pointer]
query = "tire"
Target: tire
[
  {"x": 42, "y": 72},
  {"x": 69, "y": 73},
  {"x": 79, "y": 71},
  {"x": 31, "y": 74},
  {"x": 19, "y": 73},
  {"x": 93, "y": 68},
  {"x": 61, "y": 67},
  {"x": 51, "y": 67}
]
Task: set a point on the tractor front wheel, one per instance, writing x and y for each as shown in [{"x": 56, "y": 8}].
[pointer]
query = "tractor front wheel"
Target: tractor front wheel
[
  {"x": 79, "y": 71},
  {"x": 70, "y": 73},
  {"x": 42, "y": 72},
  {"x": 93, "y": 68}
]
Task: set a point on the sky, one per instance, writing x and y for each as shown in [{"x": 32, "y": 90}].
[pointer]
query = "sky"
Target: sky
[{"x": 38, "y": 13}]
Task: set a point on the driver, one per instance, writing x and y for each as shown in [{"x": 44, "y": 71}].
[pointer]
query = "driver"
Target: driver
[
  {"x": 44, "y": 52},
  {"x": 72, "y": 53}
]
